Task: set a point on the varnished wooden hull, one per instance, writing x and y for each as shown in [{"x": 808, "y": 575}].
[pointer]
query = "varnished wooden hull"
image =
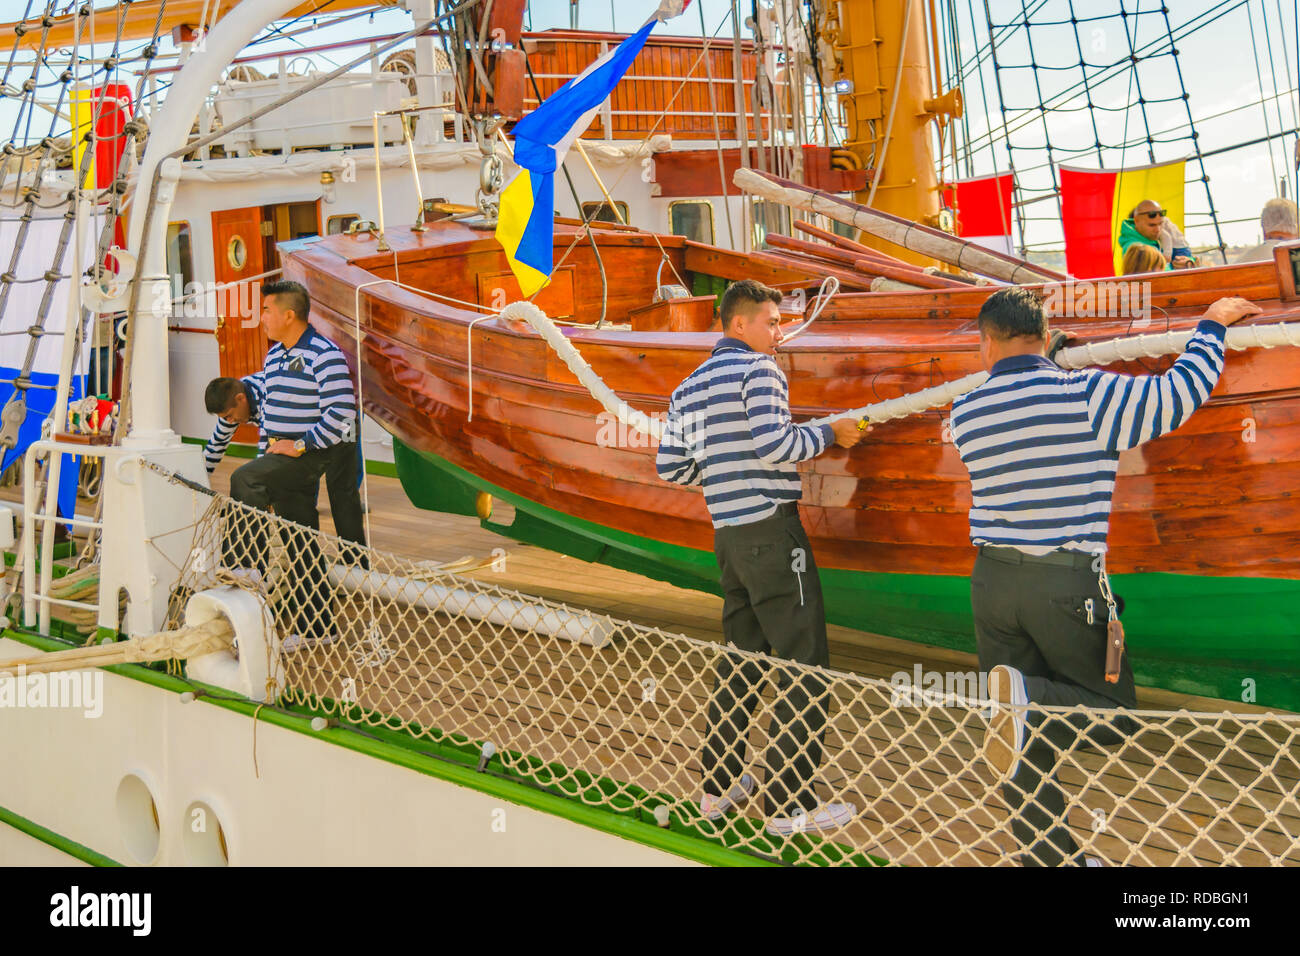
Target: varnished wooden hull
[{"x": 1215, "y": 500}]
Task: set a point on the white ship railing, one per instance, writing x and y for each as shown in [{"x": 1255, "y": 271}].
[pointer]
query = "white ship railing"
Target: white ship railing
[{"x": 37, "y": 599}]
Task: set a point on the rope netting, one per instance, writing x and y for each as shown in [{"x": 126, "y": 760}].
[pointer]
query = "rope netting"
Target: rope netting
[{"x": 620, "y": 715}]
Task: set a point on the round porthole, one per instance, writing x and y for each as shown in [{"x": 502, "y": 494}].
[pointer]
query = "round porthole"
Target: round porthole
[
  {"x": 204, "y": 839},
  {"x": 236, "y": 253},
  {"x": 137, "y": 817}
]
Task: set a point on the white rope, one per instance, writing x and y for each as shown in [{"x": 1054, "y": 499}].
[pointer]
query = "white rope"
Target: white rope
[
  {"x": 830, "y": 286},
  {"x": 1081, "y": 356},
  {"x": 938, "y": 396},
  {"x": 542, "y": 324}
]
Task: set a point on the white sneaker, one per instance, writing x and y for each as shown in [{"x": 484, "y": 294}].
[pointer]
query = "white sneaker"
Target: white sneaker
[
  {"x": 830, "y": 816},
  {"x": 296, "y": 642},
  {"x": 1093, "y": 861},
  {"x": 251, "y": 575},
  {"x": 714, "y": 807},
  {"x": 1005, "y": 739}
]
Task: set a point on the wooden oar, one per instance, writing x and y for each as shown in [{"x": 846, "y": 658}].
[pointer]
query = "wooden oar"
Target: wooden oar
[
  {"x": 838, "y": 258},
  {"x": 902, "y": 232},
  {"x": 849, "y": 245}
]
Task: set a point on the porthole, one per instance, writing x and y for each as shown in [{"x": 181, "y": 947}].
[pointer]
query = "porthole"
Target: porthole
[
  {"x": 137, "y": 818},
  {"x": 204, "y": 839},
  {"x": 237, "y": 253}
]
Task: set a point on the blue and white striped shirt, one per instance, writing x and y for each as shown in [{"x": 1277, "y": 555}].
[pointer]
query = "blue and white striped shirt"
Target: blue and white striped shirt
[
  {"x": 304, "y": 392},
  {"x": 729, "y": 429},
  {"x": 216, "y": 447},
  {"x": 1042, "y": 444},
  {"x": 308, "y": 393}
]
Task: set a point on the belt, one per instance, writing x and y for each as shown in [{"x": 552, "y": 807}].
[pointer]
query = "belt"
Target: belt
[{"x": 1079, "y": 560}]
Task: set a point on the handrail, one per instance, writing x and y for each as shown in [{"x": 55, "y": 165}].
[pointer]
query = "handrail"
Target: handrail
[{"x": 32, "y": 596}]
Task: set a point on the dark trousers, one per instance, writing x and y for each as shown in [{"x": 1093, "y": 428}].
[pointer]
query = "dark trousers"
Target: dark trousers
[
  {"x": 1033, "y": 617},
  {"x": 343, "y": 485},
  {"x": 773, "y": 604},
  {"x": 291, "y": 487}
]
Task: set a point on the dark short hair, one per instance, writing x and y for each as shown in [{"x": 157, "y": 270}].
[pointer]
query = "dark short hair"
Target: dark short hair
[
  {"x": 220, "y": 394},
  {"x": 293, "y": 296},
  {"x": 744, "y": 291},
  {"x": 1011, "y": 313}
]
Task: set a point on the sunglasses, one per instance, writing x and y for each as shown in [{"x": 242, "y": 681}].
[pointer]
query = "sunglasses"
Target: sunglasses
[{"x": 1155, "y": 213}]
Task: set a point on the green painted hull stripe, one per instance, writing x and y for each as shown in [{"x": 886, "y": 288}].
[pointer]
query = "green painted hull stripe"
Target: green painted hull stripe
[
  {"x": 384, "y": 468},
  {"x": 391, "y": 747},
  {"x": 61, "y": 843}
]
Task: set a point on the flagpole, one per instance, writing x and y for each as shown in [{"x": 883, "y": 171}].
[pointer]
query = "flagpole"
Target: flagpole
[{"x": 595, "y": 175}]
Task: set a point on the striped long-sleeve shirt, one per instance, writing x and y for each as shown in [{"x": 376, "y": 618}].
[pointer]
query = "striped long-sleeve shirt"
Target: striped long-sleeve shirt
[
  {"x": 1042, "y": 444},
  {"x": 308, "y": 393},
  {"x": 729, "y": 429},
  {"x": 216, "y": 447}
]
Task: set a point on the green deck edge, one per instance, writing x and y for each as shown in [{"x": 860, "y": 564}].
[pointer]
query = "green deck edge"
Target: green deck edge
[
  {"x": 57, "y": 840},
  {"x": 1179, "y": 626},
  {"x": 399, "y": 748}
]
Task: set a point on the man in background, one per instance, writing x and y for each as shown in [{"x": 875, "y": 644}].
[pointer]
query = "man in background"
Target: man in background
[{"x": 1277, "y": 220}]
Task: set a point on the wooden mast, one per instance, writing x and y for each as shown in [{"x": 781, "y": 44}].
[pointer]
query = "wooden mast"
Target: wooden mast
[{"x": 881, "y": 49}]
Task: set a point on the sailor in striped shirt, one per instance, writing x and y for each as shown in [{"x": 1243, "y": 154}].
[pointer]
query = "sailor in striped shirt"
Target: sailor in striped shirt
[
  {"x": 729, "y": 431},
  {"x": 1042, "y": 446},
  {"x": 304, "y": 401},
  {"x": 235, "y": 402}
]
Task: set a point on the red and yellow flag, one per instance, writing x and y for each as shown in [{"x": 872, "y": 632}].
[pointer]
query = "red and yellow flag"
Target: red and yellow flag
[{"x": 1095, "y": 203}]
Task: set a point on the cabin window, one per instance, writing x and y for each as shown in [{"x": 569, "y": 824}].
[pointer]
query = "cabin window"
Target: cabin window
[
  {"x": 692, "y": 218},
  {"x": 761, "y": 209},
  {"x": 603, "y": 212},
  {"x": 843, "y": 229},
  {"x": 180, "y": 259},
  {"x": 335, "y": 225}
]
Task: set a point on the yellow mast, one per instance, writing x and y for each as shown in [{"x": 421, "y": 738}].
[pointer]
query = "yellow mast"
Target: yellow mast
[{"x": 882, "y": 51}]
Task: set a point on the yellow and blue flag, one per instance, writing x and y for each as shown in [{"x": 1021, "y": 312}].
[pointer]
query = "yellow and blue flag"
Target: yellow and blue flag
[{"x": 526, "y": 218}]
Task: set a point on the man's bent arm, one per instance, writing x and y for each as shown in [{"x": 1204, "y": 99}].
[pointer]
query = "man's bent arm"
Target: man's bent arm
[
  {"x": 1127, "y": 410},
  {"x": 675, "y": 462},
  {"x": 215, "y": 449}
]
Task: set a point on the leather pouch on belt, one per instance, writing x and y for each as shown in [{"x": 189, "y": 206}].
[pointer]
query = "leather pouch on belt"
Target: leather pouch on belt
[{"x": 1114, "y": 649}]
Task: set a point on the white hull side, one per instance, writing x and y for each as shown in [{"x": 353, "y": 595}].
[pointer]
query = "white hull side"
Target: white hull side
[{"x": 314, "y": 803}]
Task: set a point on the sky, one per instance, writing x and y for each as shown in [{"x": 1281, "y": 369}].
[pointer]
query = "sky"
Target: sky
[{"x": 1223, "y": 71}]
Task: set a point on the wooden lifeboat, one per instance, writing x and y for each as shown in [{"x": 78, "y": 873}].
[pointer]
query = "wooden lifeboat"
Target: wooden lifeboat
[{"x": 1205, "y": 536}]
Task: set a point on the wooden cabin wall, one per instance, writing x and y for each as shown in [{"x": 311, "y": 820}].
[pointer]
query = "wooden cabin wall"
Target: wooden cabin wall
[{"x": 664, "y": 91}]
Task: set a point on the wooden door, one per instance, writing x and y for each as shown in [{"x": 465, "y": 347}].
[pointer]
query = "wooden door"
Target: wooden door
[{"x": 241, "y": 343}]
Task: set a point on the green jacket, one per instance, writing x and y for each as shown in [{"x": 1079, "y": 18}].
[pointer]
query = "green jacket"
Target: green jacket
[{"x": 1128, "y": 235}]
